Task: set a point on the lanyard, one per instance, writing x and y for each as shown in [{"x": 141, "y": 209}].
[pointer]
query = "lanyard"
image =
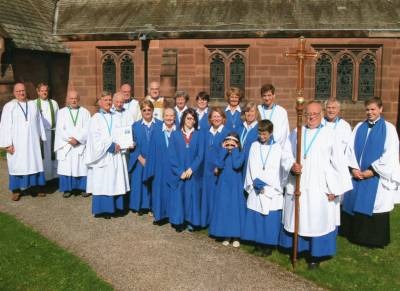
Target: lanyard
[
  {"x": 307, "y": 148},
  {"x": 336, "y": 122},
  {"x": 187, "y": 139},
  {"x": 148, "y": 130},
  {"x": 167, "y": 135},
  {"x": 52, "y": 115},
  {"x": 74, "y": 120},
  {"x": 234, "y": 117},
  {"x": 109, "y": 125},
  {"x": 244, "y": 135},
  {"x": 25, "y": 112},
  {"x": 265, "y": 113},
  {"x": 264, "y": 161}
]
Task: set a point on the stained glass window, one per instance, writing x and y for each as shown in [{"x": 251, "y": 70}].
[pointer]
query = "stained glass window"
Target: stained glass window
[
  {"x": 237, "y": 77},
  {"x": 109, "y": 78},
  {"x": 323, "y": 77},
  {"x": 127, "y": 70},
  {"x": 217, "y": 73},
  {"x": 344, "y": 83},
  {"x": 366, "y": 83}
]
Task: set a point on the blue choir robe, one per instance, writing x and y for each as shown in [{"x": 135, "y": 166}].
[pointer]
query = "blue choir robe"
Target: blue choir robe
[
  {"x": 248, "y": 135},
  {"x": 233, "y": 121},
  {"x": 178, "y": 115},
  {"x": 160, "y": 172},
  {"x": 140, "y": 196},
  {"x": 212, "y": 144},
  {"x": 185, "y": 198},
  {"x": 203, "y": 120},
  {"x": 230, "y": 204}
]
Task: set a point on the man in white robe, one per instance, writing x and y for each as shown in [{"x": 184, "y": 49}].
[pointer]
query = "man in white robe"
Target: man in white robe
[
  {"x": 70, "y": 144},
  {"x": 131, "y": 105},
  {"x": 48, "y": 109},
  {"x": 21, "y": 130},
  {"x": 275, "y": 113},
  {"x": 373, "y": 157},
  {"x": 156, "y": 99},
  {"x": 108, "y": 178},
  {"x": 324, "y": 176}
]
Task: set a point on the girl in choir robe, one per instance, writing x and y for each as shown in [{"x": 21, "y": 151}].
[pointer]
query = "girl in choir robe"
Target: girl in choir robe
[
  {"x": 181, "y": 98},
  {"x": 108, "y": 178},
  {"x": 230, "y": 204},
  {"x": 186, "y": 157},
  {"x": 139, "y": 158},
  {"x": 212, "y": 142},
  {"x": 161, "y": 171},
  {"x": 202, "y": 100},
  {"x": 267, "y": 169},
  {"x": 233, "y": 111}
]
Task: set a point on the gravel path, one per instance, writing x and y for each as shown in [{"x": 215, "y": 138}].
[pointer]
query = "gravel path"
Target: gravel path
[{"x": 132, "y": 254}]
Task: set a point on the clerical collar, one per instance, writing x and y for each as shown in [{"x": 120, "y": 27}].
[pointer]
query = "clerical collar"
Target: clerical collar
[
  {"x": 148, "y": 123},
  {"x": 165, "y": 128},
  {"x": 229, "y": 108},
  {"x": 372, "y": 123},
  {"x": 248, "y": 127},
  {"x": 219, "y": 129},
  {"x": 180, "y": 111}
]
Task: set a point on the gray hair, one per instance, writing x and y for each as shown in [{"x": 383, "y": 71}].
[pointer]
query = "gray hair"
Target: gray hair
[
  {"x": 331, "y": 100},
  {"x": 182, "y": 93}
]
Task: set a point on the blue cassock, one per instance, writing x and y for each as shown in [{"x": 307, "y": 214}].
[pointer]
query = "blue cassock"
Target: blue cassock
[
  {"x": 233, "y": 121},
  {"x": 212, "y": 145},
  {"x": 203, "y": 122},
  {"x": 161, "y": 174},
  {"x": 185, "y": 198},
  {"x": 139, "y": 197},
  {"x": 246, "y": 140},
  {"x": 230, "y": 204}
]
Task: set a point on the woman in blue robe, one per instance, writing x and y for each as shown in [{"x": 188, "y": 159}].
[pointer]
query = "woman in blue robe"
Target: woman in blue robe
[
  {"x": 230, "y": 204},
  {"x": 233, "y": 111},
  {"x": 202, "y": 100},
  {"x": 186, "y": 157},
  {"x": 213, "y": 139},
  {"x": 139, "y": 158},
  {"x": 181, "y": 99}
]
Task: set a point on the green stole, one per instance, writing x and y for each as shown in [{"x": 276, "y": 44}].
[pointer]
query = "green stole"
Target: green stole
[{"x": 53, "y": 124}]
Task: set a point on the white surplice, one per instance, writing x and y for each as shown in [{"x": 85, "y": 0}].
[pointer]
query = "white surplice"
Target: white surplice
[
  {"x": 342, "y": 129},
  {"x": 279, "y": 118},
  {"x": 24, "y": 135},
  {"x": 50, "y": 166},
  {"x": 387, "y": 166},
  {"x": 107, "y": 173},
  {"x": 273, "y": 173},
  {"x": 324, "y": 172},
  {"x": 132, "y": 111},
  {"x": 70, "y": 158}
]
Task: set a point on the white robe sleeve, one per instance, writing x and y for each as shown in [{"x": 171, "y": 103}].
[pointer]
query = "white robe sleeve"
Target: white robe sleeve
[
  {"x": 350, "y": 152},
  {"x": 6, "y": 125}
]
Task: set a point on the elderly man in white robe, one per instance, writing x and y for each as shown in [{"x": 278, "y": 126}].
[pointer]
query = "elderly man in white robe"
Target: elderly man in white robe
[
  {"x": 373, "y": 155},
  {"x": 48, "y": 109},
  {"x": 108, "y": 178},
  {"x": 119, "y": 109},
  {"x": 21, "y": 130},
  {"x": 131, "y": 105},
  {"x": 70, "y": 144},
  {"x": 324, "y": 177}
]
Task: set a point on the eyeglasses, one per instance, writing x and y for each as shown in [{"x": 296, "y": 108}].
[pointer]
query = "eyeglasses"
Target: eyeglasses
[
  {"x": 311, "y": 114},
  {"x": 146, "y": 110}
]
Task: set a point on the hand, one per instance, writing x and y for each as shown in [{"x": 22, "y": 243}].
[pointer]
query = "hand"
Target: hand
[
  {"x": 183, "y": 175},
  {"x": 10, "y": 150},
  {"x": 189, "y": 173},
  {"x": 331, "y": 197},
  {"x": 141, "y": 160},
  {"x": 216, "y": 171},
  {"x": 367, "y": 174},
  {"x": 117, "y": 148},
  {"x": 72, "y": 141},
  {"x": 357, "y": 174},
  {"x": 229, "y": 145},
  {"x": 296, "y": 168}
]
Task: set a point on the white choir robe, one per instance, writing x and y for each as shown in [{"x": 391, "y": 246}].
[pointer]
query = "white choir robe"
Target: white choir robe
[
  {"x": 342, "y": 129},
  {"x": 324, "y": 172},
  {"x": 279, "y": 119},
  {"x": 50, "y": 166},
  {"x": 133, "y": 111},
  {"x": 107, "y": 173},
  {"x": 71, "y": 160},
  {"x": 24, "y": 136},
  {"x": 387, "y": 166}
]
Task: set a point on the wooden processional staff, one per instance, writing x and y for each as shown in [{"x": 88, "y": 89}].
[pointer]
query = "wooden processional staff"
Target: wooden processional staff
[{"x": 301, "y": 54}]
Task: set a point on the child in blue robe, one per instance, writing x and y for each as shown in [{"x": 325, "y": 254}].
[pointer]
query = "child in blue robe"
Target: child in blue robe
[
  {"x": 230, "y": 204},
  {"x": 233, "y": 111},
  {"x": 202, "y": 100}
]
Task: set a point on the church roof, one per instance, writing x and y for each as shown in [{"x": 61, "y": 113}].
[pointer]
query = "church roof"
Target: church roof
[
  {"x": 224, "y": 18},
  {"x": 28, "y": 24}
]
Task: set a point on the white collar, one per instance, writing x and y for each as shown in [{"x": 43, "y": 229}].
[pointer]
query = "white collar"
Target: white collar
[
  {"x": 188, "y": 132},
  {"x": 148, "y": 123},
  {"x": 219, "y": 129},
  {"x": 164, "y": 127},
  {"x": 180, "y": 111},
  {"x": 248, "y": 127},
  {"x": 375, "y": 121},
  {"x": 201, "y": 113},
  {"x": 228, "y": 108}
]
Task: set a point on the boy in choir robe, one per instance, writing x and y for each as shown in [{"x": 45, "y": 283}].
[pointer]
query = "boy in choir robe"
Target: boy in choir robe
[
  {"x": 186, "y": 157},
  {"x": 324, "y": 177},
  {"x": 233, "y": 111},
  {"x": 130, "y": 104},
  {"x": 275, "y": 113},
  {"x": 159, "y": 102},
  {"x": 107, "y": 178},
  {"x": 213, "y": 139},
  {"x": 21, "y": 130},
  {"x": 230, "y": 204},
  {"x": 70, "y": 145},
  {"x": 267, "y": 169},
  {"x": 48, "y": 109},
  {"x": 181, "y": 98},
  {"x": 202, "y": 100},
  {"x": 140, "y": 157},
  {"x": 373, "y": 157}
]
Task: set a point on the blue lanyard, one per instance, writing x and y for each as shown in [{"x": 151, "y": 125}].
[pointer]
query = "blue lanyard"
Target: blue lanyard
[
  {"x": 234, "y": 117},
  {"x": 244, "y": 135},
  {"x": 167, "y": 135},
  {"x": 26, "y": 110},
  {"x": 264, "y": 161},
  {"x": 265, "y": 114},
  {"x": 336, "y": 122},
  {"x": 148, "y": 130},
  {"x": 307, "y": 148},
  {"x": 109, "y": 125}
]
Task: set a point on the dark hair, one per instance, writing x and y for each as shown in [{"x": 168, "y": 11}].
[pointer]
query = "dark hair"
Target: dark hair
[
  {"x": 203, "y": 95},
  {"x": 192, "y": 112},
  {"x": 267, "y": 87},
  {"x": 40, "y": 85},
  {"x": 235, "y": 135},
  {"x": 376, "y": 100},
  {"x": 265, "y": 125}
]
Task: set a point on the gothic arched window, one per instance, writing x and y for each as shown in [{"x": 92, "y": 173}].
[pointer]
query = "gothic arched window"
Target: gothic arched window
[
  {"x": 366, "y": 83},
  {"x": 237, "y": 71},
  {"x": 344, "y": 84},
  {"x": 217, "y": 73},
  {"x": 323, "y": 77},
  {"x": 109, "y": 78},
  {"x": 127, "y": 70}
]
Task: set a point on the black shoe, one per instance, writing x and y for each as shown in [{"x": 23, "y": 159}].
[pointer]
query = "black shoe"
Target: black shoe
[
  {"x": 67, "y": 194},
  {"x": 84, "y": 194},
  {"x": 313, "y": 265},
  {"x": 107, "y": 216}
]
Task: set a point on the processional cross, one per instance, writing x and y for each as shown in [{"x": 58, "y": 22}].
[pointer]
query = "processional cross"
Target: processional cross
[{"x": 301, "y": 55}]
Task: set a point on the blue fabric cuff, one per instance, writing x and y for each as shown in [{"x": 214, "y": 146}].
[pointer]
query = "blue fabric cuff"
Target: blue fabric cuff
[{"x": 111, "y": 149}]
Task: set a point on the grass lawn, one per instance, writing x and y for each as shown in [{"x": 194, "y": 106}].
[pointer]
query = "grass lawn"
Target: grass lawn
[
  {"x": 28, "y": 261},
  {"x": 354, "y": 267}
]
